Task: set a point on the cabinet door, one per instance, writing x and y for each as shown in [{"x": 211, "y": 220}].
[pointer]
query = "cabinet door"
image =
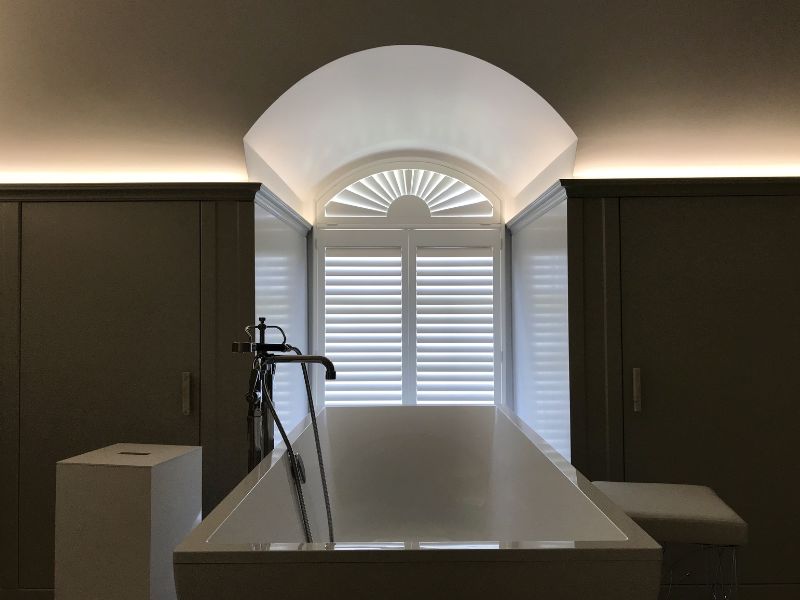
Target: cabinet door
[
  {"x": 710, "y": 296},
  {"x": 110, "y": 320}
]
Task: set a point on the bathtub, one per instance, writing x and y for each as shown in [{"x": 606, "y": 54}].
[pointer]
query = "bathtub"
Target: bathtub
[{"x": 428, "y": 502}]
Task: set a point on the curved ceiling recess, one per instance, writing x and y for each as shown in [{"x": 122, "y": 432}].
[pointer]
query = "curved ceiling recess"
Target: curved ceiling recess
[
  {"x": 409, "y": 103},
  {"x": 445, "y": 196}
]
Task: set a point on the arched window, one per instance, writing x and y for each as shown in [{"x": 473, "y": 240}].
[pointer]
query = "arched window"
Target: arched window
[{"x": 409, "y": 289}]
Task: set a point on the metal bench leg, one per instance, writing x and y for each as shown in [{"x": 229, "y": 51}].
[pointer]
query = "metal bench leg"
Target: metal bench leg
[{"x": 725, "y": 555}]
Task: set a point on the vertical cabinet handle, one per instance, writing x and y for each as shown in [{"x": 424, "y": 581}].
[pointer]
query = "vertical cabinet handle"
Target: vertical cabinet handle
[
  {"x": 186, "y": 393},
  {"x": 637, "y": 390}
]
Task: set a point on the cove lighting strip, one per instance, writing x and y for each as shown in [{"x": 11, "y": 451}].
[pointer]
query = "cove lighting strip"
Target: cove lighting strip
[
  {"x": 687, "y": 171},
  {"x": 23, "y": 177}
]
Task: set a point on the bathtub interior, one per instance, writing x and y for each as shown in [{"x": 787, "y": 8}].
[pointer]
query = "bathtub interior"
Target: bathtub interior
[{"x": 433, "y": 474}]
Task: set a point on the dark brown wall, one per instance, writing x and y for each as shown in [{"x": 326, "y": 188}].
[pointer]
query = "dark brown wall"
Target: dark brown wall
[{"x": 175, "y": 84}]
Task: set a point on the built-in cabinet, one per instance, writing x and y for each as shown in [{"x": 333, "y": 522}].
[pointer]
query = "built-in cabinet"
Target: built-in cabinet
[
  {"x": 119, "y": 304},
  {"x": 695, "y": 284},
  {"x": 713, "y": 287}
]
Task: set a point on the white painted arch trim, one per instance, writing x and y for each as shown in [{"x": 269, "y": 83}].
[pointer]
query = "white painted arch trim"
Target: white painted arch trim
[{"x": 269, "y": 201}]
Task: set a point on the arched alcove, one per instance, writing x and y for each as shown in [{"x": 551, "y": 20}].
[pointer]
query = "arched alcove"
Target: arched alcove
[{"x": 409, "y": 103}]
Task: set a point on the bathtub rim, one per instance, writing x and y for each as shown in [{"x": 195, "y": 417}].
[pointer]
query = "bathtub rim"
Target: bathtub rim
[{"x": 196, "y": 547}]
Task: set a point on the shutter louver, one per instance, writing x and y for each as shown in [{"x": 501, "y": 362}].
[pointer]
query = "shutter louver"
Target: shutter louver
[
  {"x": 363, "y": 324},
  {"x": 455, "y": 325},
  {"x": 546, "y": 353},
  {"x": 272, "y": 294}
]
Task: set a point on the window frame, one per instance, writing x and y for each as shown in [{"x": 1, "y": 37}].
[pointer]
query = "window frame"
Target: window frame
[{"x": 409, "y": 239}]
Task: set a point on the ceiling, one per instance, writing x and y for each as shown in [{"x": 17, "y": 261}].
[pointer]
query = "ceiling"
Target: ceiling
[
  {"x": 378, "y": 109},
  {"x": 126, "y": 90}
]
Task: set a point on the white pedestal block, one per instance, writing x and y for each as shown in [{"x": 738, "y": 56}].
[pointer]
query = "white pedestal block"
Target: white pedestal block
[{"x": 120, "y": 512}]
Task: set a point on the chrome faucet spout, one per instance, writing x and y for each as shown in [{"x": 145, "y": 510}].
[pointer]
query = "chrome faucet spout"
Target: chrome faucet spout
[{"x": 330, "y": 370}]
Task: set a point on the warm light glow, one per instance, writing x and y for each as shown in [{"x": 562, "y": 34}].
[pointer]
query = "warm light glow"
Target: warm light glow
[
  {"x": 405, "y": 101},
  {"x": 166, "y": 176},
  {"x": 678, "y": 171}
]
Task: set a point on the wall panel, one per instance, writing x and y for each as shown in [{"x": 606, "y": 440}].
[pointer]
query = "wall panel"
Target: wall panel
[{"x": 9, "y": 391}]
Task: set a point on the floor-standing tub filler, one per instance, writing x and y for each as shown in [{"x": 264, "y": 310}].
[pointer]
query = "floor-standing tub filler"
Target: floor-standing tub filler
[{"x": 428, "y": 502}]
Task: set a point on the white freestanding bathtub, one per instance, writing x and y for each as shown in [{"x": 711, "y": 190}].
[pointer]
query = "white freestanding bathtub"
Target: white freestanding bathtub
[{"x": 428, "y": 502}]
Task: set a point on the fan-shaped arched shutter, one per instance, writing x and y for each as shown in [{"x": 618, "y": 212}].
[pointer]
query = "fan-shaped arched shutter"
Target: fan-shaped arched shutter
[{"x": 444, "y": 195}]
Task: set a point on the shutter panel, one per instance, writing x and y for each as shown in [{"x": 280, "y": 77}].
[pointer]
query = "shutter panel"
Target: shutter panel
[
  {"x": 363, "y": 324},
  {"x": 280, "y": 278},
  {"x": 273, "y": 288},
  {"x": 455, "y": 325}
]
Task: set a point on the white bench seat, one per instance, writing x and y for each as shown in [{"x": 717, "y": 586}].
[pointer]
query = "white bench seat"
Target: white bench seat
[{"x": 688, "y": 514}]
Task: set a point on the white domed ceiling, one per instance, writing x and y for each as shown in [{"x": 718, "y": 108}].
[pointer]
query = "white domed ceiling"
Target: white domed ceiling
[{"x": 413, "y": 103}]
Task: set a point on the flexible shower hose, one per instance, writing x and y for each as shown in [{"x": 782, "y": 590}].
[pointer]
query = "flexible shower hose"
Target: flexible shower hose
[
  {"x": 293, "y": 463},
  {"x": 312, "y": 411}
]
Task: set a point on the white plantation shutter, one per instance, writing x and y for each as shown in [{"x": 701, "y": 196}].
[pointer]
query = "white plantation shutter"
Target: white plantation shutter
[
  {"x": 541, "y": 322},
  {"x": 280, "y": 261},
  {"x": 455, "y": 345},
  {"x": 363, "y": 318},
  {"x": 444, "y": 195},
  {"x": 410, "y": 316}
]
